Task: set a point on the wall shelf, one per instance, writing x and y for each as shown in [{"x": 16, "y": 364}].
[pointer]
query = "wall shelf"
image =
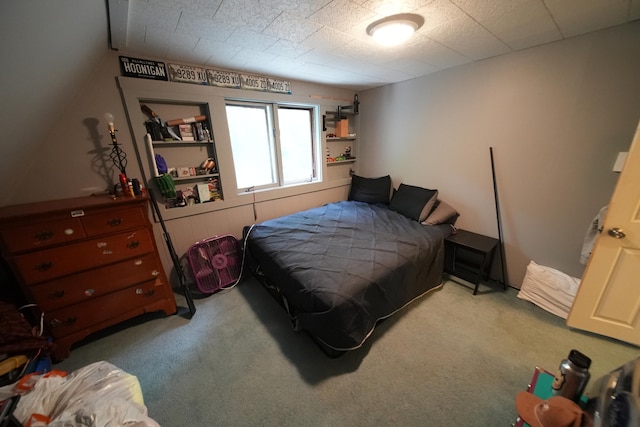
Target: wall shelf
[
  {"x": 195, "y": 177},
  {"x": 339, "y": 162},
  {"x": 180, "y": 143}
]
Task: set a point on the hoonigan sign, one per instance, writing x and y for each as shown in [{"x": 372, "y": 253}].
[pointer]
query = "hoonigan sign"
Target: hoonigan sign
[{"x": 143, "y": 69}]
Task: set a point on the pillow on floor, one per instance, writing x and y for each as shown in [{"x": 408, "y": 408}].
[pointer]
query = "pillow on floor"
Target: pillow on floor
[
  {"x": 413, "y": 202},
  {"x": 370, "y": 190},
  {"x": 549, "y": 289}
]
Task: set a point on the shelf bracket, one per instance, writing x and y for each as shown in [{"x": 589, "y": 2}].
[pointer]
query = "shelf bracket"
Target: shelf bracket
[
  {"x": 337, "y": 115},
  {"x": 355, "y": 107}
]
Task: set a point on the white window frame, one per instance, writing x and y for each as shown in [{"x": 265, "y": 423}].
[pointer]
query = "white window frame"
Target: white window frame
[{"x": 271, "y": 107}]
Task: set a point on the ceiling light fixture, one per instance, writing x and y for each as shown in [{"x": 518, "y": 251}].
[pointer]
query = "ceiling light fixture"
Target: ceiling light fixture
[{"x": 395, "y": 29}]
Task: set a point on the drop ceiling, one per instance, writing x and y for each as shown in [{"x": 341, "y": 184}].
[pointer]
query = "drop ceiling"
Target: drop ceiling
[{"x": 325, "y": 41}]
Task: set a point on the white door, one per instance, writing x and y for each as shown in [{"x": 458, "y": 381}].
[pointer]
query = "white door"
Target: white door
[{"x": 608, "y": 300}]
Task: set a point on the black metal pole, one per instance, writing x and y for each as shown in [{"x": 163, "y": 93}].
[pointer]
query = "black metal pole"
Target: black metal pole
[
  {"x": 174, "y": 257},
  {"x": 500, "y": 239}
]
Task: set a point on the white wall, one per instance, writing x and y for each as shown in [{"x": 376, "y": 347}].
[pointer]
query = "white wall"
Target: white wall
[
  {"x": 49, "y": 51},
  {"x": 556, "y": 116}
]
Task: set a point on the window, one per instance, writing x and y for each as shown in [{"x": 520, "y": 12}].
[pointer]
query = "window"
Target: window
[{"x": 273, "y": 144}]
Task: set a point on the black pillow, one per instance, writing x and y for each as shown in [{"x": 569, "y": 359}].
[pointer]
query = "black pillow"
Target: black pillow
[
  {"x": 370, "y": 190},
  {"x": 413, "y": 202}
]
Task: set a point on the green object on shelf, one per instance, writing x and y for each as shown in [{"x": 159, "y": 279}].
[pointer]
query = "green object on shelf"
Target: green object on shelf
[{"x": 166, "y": 186}]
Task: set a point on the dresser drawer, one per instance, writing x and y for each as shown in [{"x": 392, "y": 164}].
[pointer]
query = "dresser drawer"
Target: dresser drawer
[
  {"x": 113, "y": 221},
  {"x": 56, "y": 262},
  {"x": 41, "y": 235},
  {"x": 93, "y": 284},
  {"x": 81, "y": 316}
]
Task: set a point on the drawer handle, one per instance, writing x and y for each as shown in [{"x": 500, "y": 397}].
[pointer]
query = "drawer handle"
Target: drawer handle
[
  {"x": 134, "y": 244},
  {"x": 44, "y": 235},
  {"x": 114, "y": 222},
  {"x": 54, "y": 323},
  {"x": 44, "y": 266},
  {"x": 56, "y": 294},
  {"x": 148, "y": 293}
]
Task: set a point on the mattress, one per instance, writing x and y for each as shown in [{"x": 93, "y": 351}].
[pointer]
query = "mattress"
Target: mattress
[{"x": 342, "y": 267}]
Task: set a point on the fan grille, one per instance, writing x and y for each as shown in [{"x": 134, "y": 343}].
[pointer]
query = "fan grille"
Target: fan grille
[{"x": 215, "y": 262}]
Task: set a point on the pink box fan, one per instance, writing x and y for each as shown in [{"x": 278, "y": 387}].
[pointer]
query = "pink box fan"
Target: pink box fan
[{"x": 216, "y": 262}]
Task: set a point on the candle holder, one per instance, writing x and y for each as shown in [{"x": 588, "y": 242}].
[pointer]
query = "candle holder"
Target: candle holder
[{"x": 118, "y": 156}]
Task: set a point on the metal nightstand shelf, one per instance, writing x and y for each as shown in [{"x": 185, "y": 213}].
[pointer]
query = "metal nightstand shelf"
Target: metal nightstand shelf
[{"x": 469, "y": 256}]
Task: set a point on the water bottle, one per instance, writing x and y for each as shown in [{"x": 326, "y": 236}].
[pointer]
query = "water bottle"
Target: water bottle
[{"x": 572, "y": 376}]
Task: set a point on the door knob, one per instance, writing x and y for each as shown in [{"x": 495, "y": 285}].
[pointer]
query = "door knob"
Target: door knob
[{"x": 616, "y": 233}]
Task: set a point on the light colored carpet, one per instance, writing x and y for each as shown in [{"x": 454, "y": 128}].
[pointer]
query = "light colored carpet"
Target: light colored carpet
[{"x": 449, "y": 359}]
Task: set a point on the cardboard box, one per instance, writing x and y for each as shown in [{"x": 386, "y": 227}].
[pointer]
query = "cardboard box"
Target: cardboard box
[{"x": 342, "y": 128}]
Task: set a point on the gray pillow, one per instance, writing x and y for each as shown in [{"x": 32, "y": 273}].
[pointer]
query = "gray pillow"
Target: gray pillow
[
  {"x": 370, "y": 190},
  {"x": 413, "y": 202},
  {"x": 442, "y": 213}
]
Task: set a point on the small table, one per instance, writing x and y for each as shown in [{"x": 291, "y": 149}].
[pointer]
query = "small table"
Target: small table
[{"x": 469, "y": 256}]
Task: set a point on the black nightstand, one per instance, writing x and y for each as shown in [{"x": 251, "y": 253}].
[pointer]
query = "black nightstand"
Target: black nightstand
[{"x": 469, "y": 256}]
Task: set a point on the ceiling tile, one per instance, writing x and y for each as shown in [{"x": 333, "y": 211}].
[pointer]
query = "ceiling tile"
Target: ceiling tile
[
  {"x": 291, "y": 27},
  {"x": 158, "y": 16},
  {"x": 412, "y": 67},
  {"x": 467, "y": 37},
  {"x": 204, "y": 28},
  {"x": 211, "y": 50},
  {"x": 438, "y": 13},
  {"x": 321, "y": 57},
  {"x": 248, "y": 56},
  {"x": 576, "y": 17},
  {"x": 281, "y": 63},
  {"x": 327, "y": 38},
  {"x": 170, "y": 40},
  {"x": 434, "y": 53},
  {"x": 253, "y": 15},
  {"x": 341, "y": 15},
  {"x": 288, "y": 49},
  {"x": 392, "y": 7},
  {"x": 303, "y": 8},
  {"x": 362, "y": 48},
  {"x": 205, "y": 7},
  {"x": 518, "y": 23},
  {"x": 251, "y": 39}
]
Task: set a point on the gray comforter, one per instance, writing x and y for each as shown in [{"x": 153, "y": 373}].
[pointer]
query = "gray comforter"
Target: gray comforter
[{"x": 343, "y": 266}]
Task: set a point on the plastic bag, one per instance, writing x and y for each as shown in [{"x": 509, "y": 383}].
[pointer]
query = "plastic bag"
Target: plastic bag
[{"x": 96, "y": 395}]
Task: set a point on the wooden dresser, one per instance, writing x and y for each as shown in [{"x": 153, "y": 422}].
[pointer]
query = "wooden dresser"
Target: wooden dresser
[{"x": 87, "y": 263}]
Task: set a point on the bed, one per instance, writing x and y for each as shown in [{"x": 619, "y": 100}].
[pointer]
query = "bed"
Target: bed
[{"x": 340, "y": 268}]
